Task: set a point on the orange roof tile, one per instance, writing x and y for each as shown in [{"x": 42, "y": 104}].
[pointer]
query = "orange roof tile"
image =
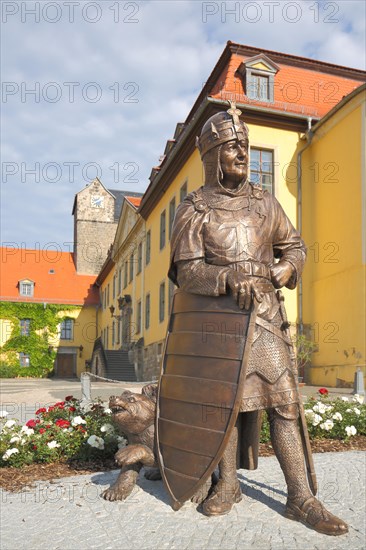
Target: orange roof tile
[
  {"x": 296, "y": 90},
  {"x": 53, "y": 273},
  {"x": 135, "y": 201}
]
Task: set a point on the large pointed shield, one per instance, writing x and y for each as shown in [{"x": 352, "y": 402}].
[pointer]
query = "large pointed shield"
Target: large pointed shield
[{"x": 206, "y": 352}]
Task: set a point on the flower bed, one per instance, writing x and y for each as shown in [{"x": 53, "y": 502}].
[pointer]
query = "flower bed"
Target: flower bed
[
  {"x": 338, "y": 419},
  {"x": 66, "y": 430}
]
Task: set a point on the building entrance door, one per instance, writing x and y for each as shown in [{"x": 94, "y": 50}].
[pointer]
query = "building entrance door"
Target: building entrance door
[{"x": 65, "y": 365}]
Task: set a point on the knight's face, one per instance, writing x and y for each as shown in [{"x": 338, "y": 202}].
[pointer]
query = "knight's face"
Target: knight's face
[{"x": 234, "y": 163}]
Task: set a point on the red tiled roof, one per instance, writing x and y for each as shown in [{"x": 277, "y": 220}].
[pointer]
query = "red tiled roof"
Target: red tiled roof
[
  {"x": 296, "y": 89},
  {"x": 53, "y": 273},
  {"x": 135, "y": 201}
]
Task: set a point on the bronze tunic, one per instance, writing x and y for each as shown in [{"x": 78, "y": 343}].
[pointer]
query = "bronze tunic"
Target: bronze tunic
[{"x": 216, "y": 230}]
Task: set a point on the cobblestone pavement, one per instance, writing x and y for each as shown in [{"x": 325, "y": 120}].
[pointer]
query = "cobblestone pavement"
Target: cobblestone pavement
[{"x": 69, "y": 513}]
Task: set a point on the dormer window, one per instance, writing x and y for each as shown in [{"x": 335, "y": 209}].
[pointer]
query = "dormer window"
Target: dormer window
[
  {"x": 26, "y": 288},
  {"x": 258, "y": 74}
]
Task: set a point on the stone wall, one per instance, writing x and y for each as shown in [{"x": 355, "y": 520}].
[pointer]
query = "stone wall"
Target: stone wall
[{"x": 94, "y": 227}]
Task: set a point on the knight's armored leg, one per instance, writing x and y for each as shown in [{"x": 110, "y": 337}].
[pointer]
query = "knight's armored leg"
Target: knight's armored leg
[
  {"x": 301, "y": 504},
  {"x": 227, "y": 491}
]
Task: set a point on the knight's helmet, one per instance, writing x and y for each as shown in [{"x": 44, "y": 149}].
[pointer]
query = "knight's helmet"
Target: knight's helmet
[{"x": 218, "y": 129}]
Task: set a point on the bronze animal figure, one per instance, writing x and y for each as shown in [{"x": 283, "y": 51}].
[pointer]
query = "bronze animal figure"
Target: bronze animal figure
[{"x": 135, "y": 416}]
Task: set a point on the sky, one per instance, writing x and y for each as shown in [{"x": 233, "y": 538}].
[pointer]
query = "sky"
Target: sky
[{"x": 96, "y": 89}]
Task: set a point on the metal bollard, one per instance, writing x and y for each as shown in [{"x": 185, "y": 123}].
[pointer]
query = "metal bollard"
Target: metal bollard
[
  {"x": 358, "y": 385},
  {"x": 85, "y": 387}
]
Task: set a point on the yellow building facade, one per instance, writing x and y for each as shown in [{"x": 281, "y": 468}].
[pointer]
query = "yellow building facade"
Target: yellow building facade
[{"x": 334, "y": 193}]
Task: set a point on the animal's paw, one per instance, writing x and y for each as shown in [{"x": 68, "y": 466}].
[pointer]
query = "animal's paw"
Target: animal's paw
[
  {"x": 153, "y": 474},
  {"x": 132, "y": 454},
  {"x": 119, "y": 491}
]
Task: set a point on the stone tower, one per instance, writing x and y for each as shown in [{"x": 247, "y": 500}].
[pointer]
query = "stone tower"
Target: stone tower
[{"x": 95, "y": 224}]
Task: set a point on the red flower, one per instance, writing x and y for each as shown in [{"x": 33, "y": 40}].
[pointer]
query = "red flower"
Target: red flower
[
  {"x": 81, "y": 429},
  {"x": 60, "y": 404},
  {"x": 41, "y": 410},
  {"x": 34, "y": 447},
  {"x": 72, "y": 409},
  {"x": 31, "y": 423},
  {"x": 42, "y": 430},
  {"x": 323, "y": 391},
  {"x": 62, "y": 423},
  {"x": 69, "y": 398},
  {"x": 48, "y": 425},
  {"x": 50, "y": 409}
]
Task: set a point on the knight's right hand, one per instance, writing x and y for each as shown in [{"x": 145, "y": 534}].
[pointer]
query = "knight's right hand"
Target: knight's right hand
[{"x": 243, "y": 288}]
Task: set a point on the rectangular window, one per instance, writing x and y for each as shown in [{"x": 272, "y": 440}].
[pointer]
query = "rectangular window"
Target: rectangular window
[
  {"x": 261, "y": 168},
  {"x": 113, "y": 333},
  {"x": 147, "y": 311},
  {"x": 67, "y": 329},
  {"x": 183, "y": 191},
  {"x": 107, "y": 296},
  {"x": 162, "y": 229},
  {"x": 162, "y": 302},
  {"x": 120, "y": 280},
  {"x": 114, "y": 287},
  {"x": 138, "y": 317},
  {"x": 125, "y": 275},
  {"x": 131, "y": 267},
  {"x": 171, "y": 215},
  {"x": 24, "y": 327},
  {"x": 139, "y": 258},
  {"x": 24, "y": 359},
  {"x": 119, "y": 330},
  {"x": 107, "y": 338},
  {"x": 148, "y": 247},
  {"x": 258, "y": 87},
  {"x": 26, "y": 288}
]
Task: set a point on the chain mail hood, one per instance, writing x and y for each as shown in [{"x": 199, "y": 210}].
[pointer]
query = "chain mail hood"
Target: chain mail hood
[{"x": 219, "y": 129}]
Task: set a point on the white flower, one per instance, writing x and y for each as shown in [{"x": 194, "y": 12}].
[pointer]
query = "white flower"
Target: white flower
[
  {"x": 320, "y": 408},
  {"x": 16, "y": 439},
  {"x": 10, "y": 452},
  {"x": 344, "y": 398},
  {"x": 329, "y": 407},
  {"x": 95, "y": 441},
  {"x": 3, "y": 414},
  {"x": 52, "y": 444},
  {"x": 108, "y": 411},
  {"x": 107, "y": 428},
  {"x": 316, "y": 419},
  {"x": 27, "y": 431},
  {"x": 78, "y": 420},
  {"x": 337, "y": 416},
  {"x": 351, "y": 430},
  {"x": 348, "y": 410},
  {"x": 327, "y": 425},
  {"x": 358, "y": 398},
  {"x": 357, "y": 411},
  {"x": 9, "y": 423},
  {"x": 122, "y": 442}
]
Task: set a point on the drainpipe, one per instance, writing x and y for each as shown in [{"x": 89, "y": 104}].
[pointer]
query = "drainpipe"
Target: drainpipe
[{"x": 309, "y": 136}]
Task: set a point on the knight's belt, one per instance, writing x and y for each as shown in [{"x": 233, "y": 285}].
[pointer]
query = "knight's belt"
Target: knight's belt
[{"x": 257, "y": 269}]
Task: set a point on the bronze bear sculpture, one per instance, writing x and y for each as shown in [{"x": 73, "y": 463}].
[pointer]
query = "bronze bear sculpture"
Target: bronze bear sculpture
[{"x": 134, "y": 414}]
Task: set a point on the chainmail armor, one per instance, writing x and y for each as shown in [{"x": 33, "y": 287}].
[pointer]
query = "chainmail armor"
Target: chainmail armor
[{"x": 286, "y": 442}]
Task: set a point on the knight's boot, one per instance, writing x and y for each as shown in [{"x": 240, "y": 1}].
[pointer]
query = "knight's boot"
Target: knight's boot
[
  {"x": 227, "y": 490},
  {"x": 301, "y": 504}
]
